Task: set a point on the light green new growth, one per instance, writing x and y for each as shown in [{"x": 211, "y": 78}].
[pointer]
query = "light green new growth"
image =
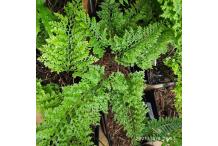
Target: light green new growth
[
  {"x": 70, "y": 122},
  {"x": 127, "y": 103},
  {"x": 67, "y": 48},
  {"x": 135, "y": 45}
]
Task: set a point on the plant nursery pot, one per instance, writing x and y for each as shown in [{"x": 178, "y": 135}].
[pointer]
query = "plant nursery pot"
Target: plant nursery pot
[
  {"x": 100, "y": 133},
  {"x": 90, "y": 6},
  {"x": 149, "y": 99},
  {"x": 151, "y": 104}
]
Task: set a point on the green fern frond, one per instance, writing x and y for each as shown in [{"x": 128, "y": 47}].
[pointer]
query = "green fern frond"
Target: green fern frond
[
  {"x": 48, "y": 96},
  {"x": 126, "y": 100},
  {"x": 162, "y": 128},
  {"x": 99, "y": 38},
  {"x": 44, "y": 16},
  {"x": 141, "y": 10},
  {"x": 143, "y": 46},
  {"x": 138, "y": 45},
  {"x": 67, "y": 48},
  {"x": 111, "y": 17},
  {"x": 70, "y": 122},
  {"x": 43, "y": 28}
]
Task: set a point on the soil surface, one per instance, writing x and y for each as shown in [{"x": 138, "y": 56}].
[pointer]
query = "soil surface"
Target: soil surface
[
  {"x": 117, "y": 134},
  {"x": 165, "y": 102},
  {"x": 111, "y": 65},
  {"x": 164, "y": 97}
]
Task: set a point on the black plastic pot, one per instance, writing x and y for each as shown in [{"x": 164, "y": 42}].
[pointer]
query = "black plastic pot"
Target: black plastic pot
[
  {"x": 95, "y": 135},
  {"x": 149, "y": 98},
  {"x": 103, "y": 123}
]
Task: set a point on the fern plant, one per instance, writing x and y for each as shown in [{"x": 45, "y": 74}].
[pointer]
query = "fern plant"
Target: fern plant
[
  {"x": 161, "y": 129},
  {"x": 66, "y": 48},
  {"x": 74, "y": 45},
  {"x": 172, "y": 12},
  {"x": 70, "y": 122},
  {"x": 47, "y": 96},
  {"x": 132, "y": 45},
  {"x": 43, "y": 17},
  {"x": 126, "y": 101}
]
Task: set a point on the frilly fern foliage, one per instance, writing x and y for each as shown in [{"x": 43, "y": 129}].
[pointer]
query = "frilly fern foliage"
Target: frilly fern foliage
[
  {"x": 140, "y": 10},
  {"x": 126, "y": 101},
  {"x": 70, "y": 122},
  {"x": 74, "y": 45},
  {"x": 47, "y": 96},
  {"x": 142, "y": 46},
  {"x": 67, "y": 47},
  {"x": 132, "y": 44},
  {"x": 172, "y": 10}
]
